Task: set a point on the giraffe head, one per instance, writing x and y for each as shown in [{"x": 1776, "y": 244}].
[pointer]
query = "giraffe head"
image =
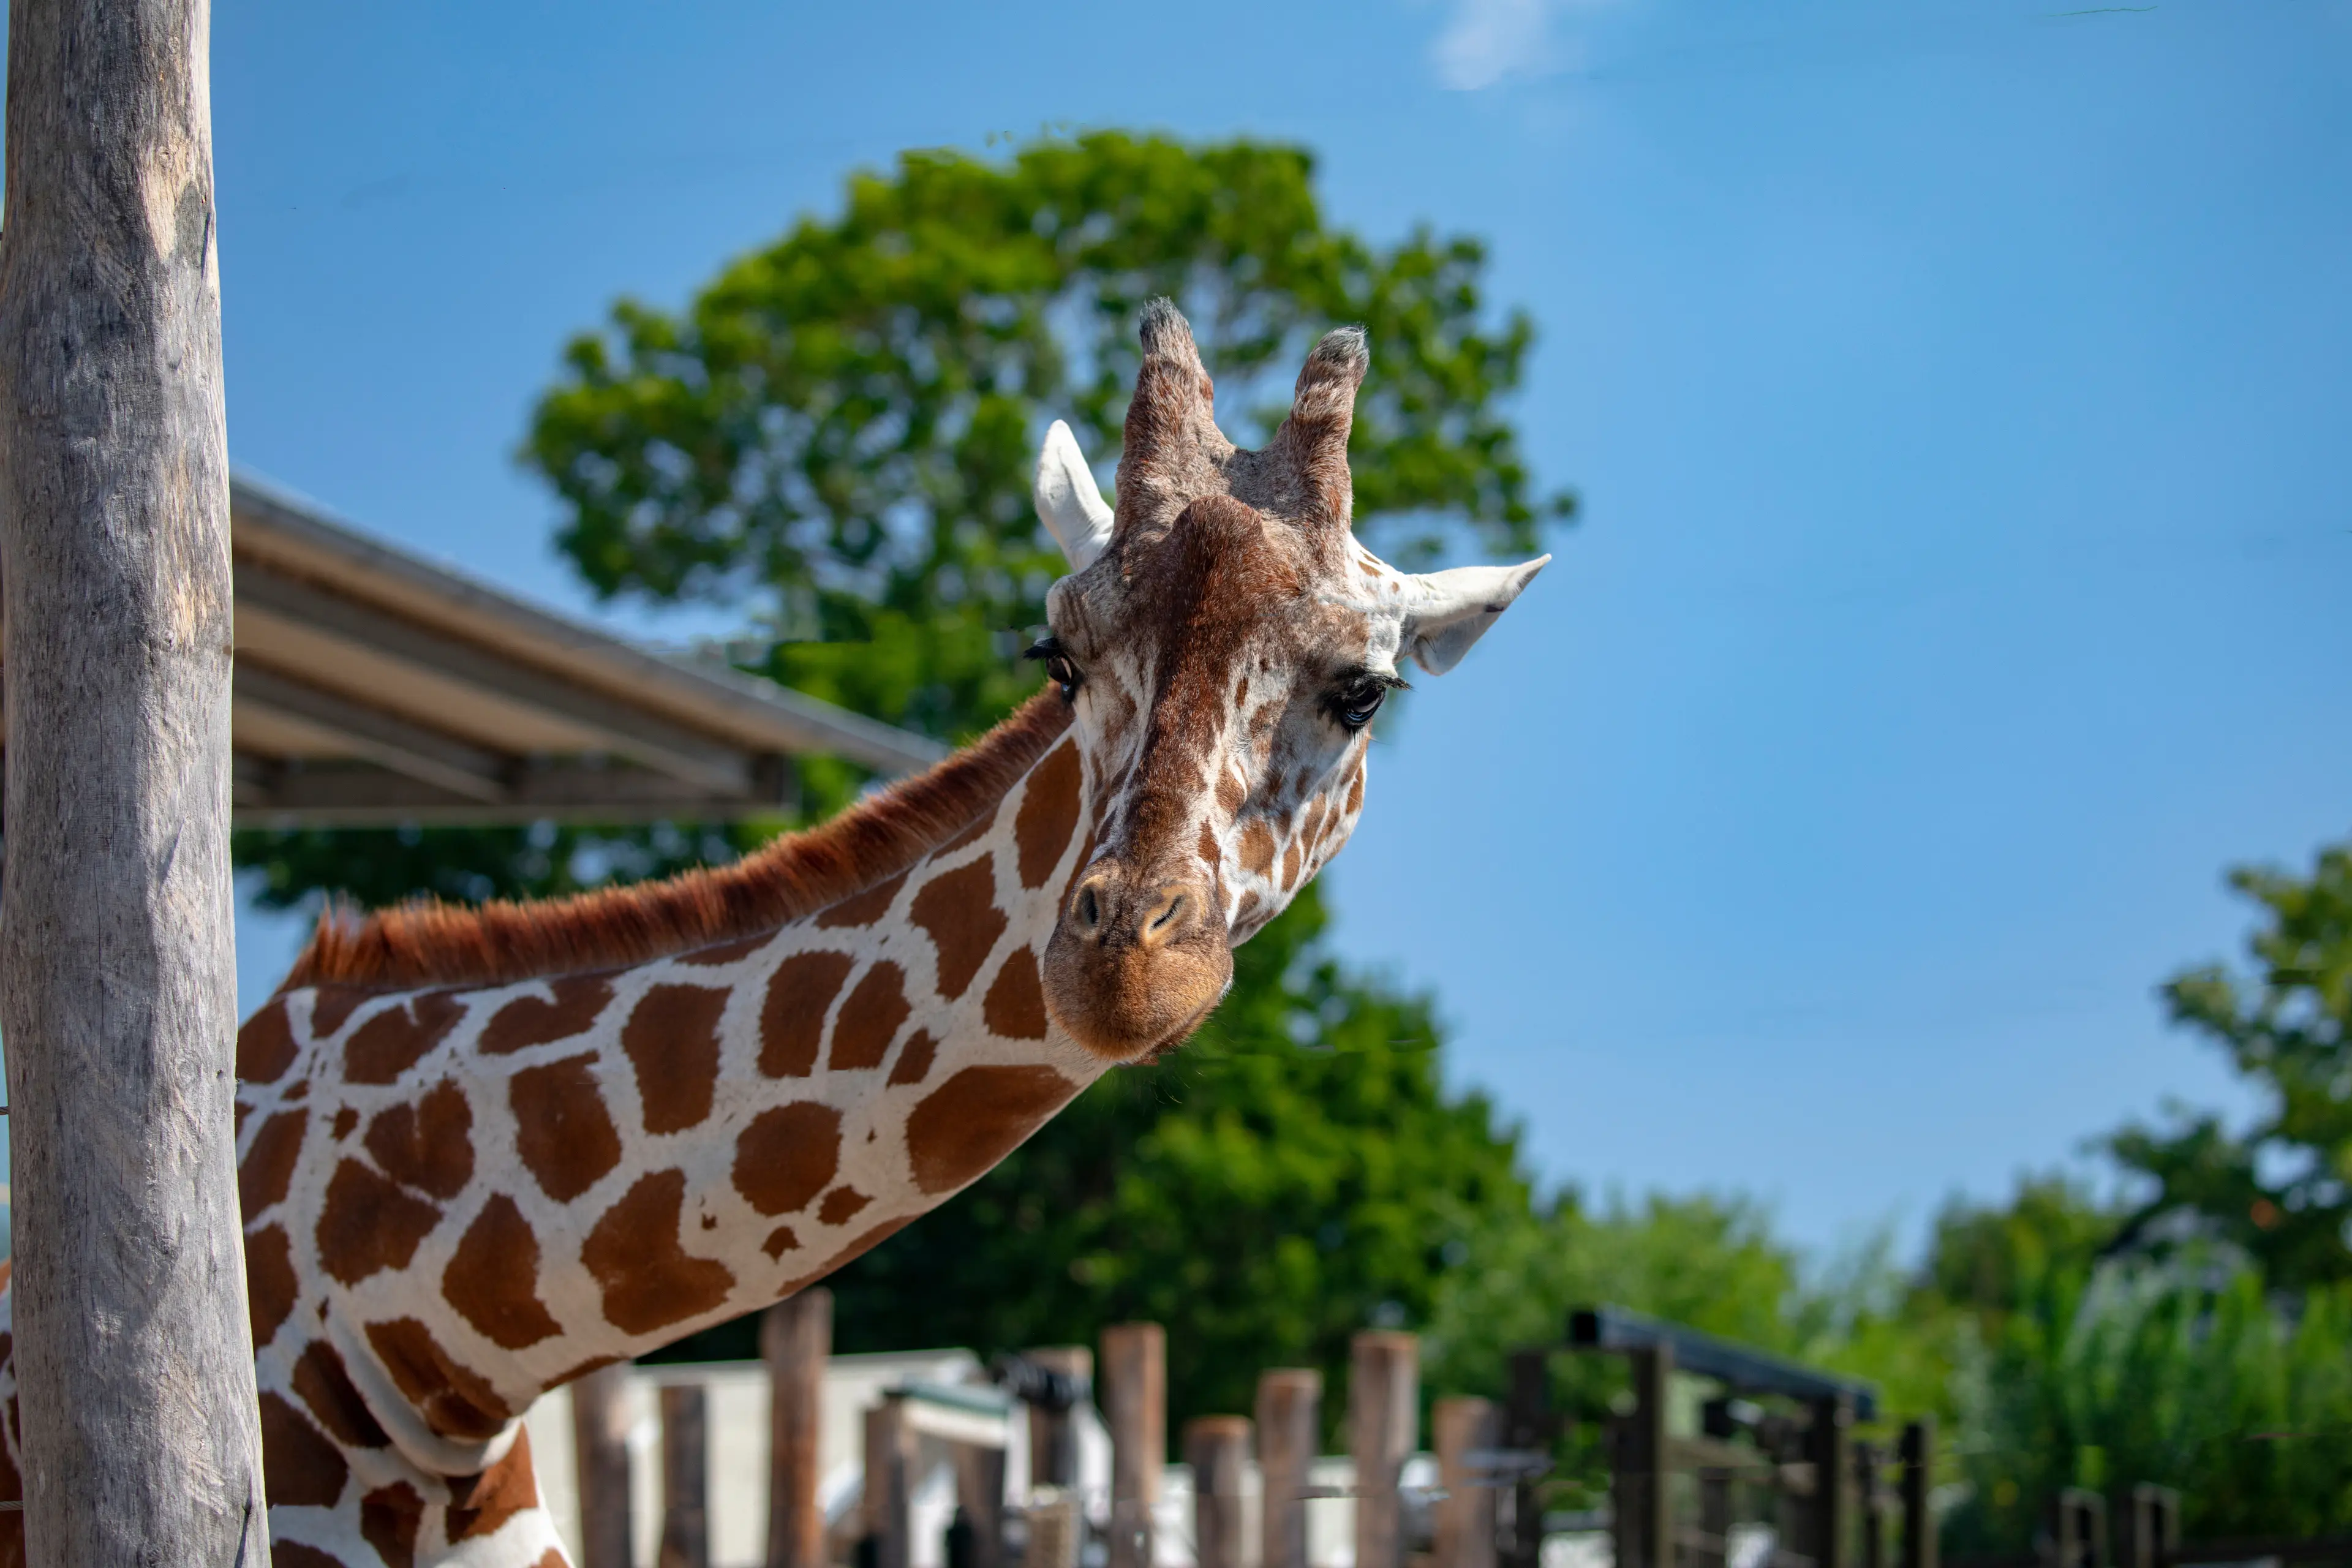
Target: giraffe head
[{"x": 1223, "y": 643}]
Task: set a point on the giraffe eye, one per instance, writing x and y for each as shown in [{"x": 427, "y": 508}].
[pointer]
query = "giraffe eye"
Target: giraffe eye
[
  {"x": 1060, "y": 669},
  {"x": 1355, "y": 703}
]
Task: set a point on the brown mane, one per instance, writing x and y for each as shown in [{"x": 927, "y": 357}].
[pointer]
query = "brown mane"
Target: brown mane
[{"x": 434, "y": 943}]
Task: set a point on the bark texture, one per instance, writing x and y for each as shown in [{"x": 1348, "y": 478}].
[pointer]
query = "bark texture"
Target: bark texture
[{"x": 117, "y": 975}]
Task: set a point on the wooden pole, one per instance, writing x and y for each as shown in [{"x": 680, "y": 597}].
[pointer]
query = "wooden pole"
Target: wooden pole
[
  {"x": 1135, "y": 1406},
  {"x": 1217, "y": 1448},
  {"x": 1530, "y": 1426},
  {"x": 1289, "y": 1430},
  {"x": 1918, "y": 1453},
  {"x": 600, "y": 1448},
  {"x": 1053, "y": 1442},
  {"x": 1466, "y": 1515},
  {"x": 1639, "y": 1491},
  {"x": 141, "y": 1437},
  {"x": 686, "y": 1477},
  {"x": 889, "y": 1482},
  {"x": 1383, "y": 1419},
  {"x": 795, "y": 1341},
  {"x": 1833, "y": 1455}
]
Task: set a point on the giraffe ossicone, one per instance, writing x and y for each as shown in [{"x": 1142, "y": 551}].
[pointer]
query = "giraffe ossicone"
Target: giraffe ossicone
[{"x": 482, "y": 1152}]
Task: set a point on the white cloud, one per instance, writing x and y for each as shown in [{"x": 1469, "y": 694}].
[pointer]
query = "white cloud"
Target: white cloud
[{"x": 1489, "y": 41}]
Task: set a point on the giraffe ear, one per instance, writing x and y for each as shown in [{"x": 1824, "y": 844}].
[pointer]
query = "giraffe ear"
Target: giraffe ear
[
  {"x": 1446, "y": 612},
  {"x": 1068, "y": 502}
]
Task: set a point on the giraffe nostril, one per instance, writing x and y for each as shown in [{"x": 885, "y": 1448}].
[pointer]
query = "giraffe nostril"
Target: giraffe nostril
[
  {"x": 1088, "y": 910},
  {"x": 1173, "y": 913}
]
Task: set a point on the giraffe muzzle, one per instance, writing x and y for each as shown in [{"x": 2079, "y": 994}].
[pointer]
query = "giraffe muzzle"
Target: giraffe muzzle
[{"x": 1136, "y": 963}]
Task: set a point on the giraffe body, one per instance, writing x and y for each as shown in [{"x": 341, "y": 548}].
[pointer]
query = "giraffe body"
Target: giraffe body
[{"x": 480, "y": 1154}]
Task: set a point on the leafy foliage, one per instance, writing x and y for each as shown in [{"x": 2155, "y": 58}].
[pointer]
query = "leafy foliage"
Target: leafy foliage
[{"x": 2281, "y": 1190}]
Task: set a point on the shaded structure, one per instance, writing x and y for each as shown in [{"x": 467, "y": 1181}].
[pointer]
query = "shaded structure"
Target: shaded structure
[{"x": 375, "y": 687}]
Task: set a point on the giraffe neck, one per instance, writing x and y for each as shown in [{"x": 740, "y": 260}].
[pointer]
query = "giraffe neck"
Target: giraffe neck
[{"x": 470, "y": 1196}]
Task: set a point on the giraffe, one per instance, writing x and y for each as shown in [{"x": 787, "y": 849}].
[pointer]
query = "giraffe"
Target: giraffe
[{"x": 483, "y": 1151}]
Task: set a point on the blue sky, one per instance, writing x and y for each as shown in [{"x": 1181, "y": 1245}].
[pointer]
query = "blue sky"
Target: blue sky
[{"x": 1957, "y": 391}]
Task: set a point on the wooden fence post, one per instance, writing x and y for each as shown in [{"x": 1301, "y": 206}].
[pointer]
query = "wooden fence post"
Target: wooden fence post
[
  {"x": 795, "y": 1341},
  {"x": 1467, "y": 1514},
  {"x": 1383, "y": 1419},
  {"x": 1639, "y": 1493},
  {"x": 1135, "y": 1406},
  {"x": 139, "y": 1433},
  {"x": 1530, "y": 1427},
  {"x": 1918, "y": 1455},
  {"x": 1289, "y": 1431},
  {"x": 600, "y": 1447},
  {"x": 1217, "y": 1448},
  {"x": 1831, "y": 1445},
  {"x": 890, "y": 1481},
  {"x": 686, "y": 1477},
  {"x": 1053, "y": 1442}
]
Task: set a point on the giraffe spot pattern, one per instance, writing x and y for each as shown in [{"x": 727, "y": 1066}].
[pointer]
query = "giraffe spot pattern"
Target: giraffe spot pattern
[
  {"x": 293, "y": 1553},
  {"x": 977, "y": 829},
  {"x": 265, "y": 1047},
  {"x": 787, "y": 1155},
  {"x": 493, "y": 1278},
  {"x": 578, "y": 1001},
  {"x": 1049, "y": 814},
  {"x": 325, "y": 1386},
  {"x": 454, "y": 1400},
  {"x": 299, "y": 1466},
  {"x": 345, "y": 1120},
  {"x": 269, "y": 1167},
  {"x": 331, "y": 1006},
  {"x": 841, "y": 1205},
  {"x": 1257, "y": 847},
  {"x": 870, "y": 1018},
  {"x": 1014, "y": 1009},
  {"x": 962, "y": 1128},
  {"x": 390, "y": 1517},
  {"x": 428, "y": 1145},
  {"x": 271, "y": 1285},
  {"x": 672, "y": 1041},
  {"x": 479, "y": 1504},
  {"x": 368, "y": 1224},
  {"x": 392, "y": 1041},
  {"x": 650, "y": 1281},
  {"x": 958, "y": 909},
  {"x": 562, "y": 1131},
  {"x": 724, "y": 952},
  {"x": 914, "y": 1063},
  {"x": 791, "y": 1016},
  {"x": 861, "y": 909},
  {"x": 781, "y": 1240}
]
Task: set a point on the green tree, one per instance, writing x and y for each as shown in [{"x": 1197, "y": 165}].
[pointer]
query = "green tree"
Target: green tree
[{"x": 2281, "y": 1189}]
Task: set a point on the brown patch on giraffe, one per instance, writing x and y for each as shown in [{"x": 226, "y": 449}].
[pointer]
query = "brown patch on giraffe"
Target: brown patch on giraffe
[
  {"x": 454, "y": 1400},
  {"x": 650, "y": 1281},
  {"x": 390, "y": 1517},
  {"x": 265, "y": 1047},
  {"x": 1212, "y": 853},
  {"x": 579, "y": 1000},
  {"x": 1356, "y": 791},
  {"x": 788, "y": 1155},
  {"x": 1015, "y": 1005},
  {"x": 479, "y": 1504},
  {"x": 1312, "y": 834},
  {"x": 294, "y": 1554},
  {"x": 781, "y": 1240},
  {"x": 331, "y": 1006},
  {"x": 1049, "y": 815},
  {"x": 346, "y": 1119},
  {"x": 857, "y": 1249},
  {"x": 270, "y": 1286},
  {"x": 295, "y": 1092},
  {"x": 672, "y": 1040},
  {"x": 368, "y": 1224},
  {"x": 865, "y": 909},
  {"x": 1257, "y": 847},
  {"x": 493, "y": 1278},
  {"x": 327, "y": 1388},
  {"x": 300, "y": 1468},
  {"x": 870, "y": 1019},
  {"x": 965, "y": 1126},
  {"x": 958, "y": 910},
  {"x": 268, "y": 1168},
  {"x": 1230, "y": 792},
  {"x": 428, "y": 1145},
  {"x": 1290, "y": 866},
  {"x": 721, "y": 953},
  {"x": 792, "y": 1018},
  {"x": 914, "y": 1061},
  {"x": 562, "y": 1131},
  {"x": 841, "y": 1205},
  {"x": 395, "y": 1039},
  {"x": 795, "y": 876}
]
